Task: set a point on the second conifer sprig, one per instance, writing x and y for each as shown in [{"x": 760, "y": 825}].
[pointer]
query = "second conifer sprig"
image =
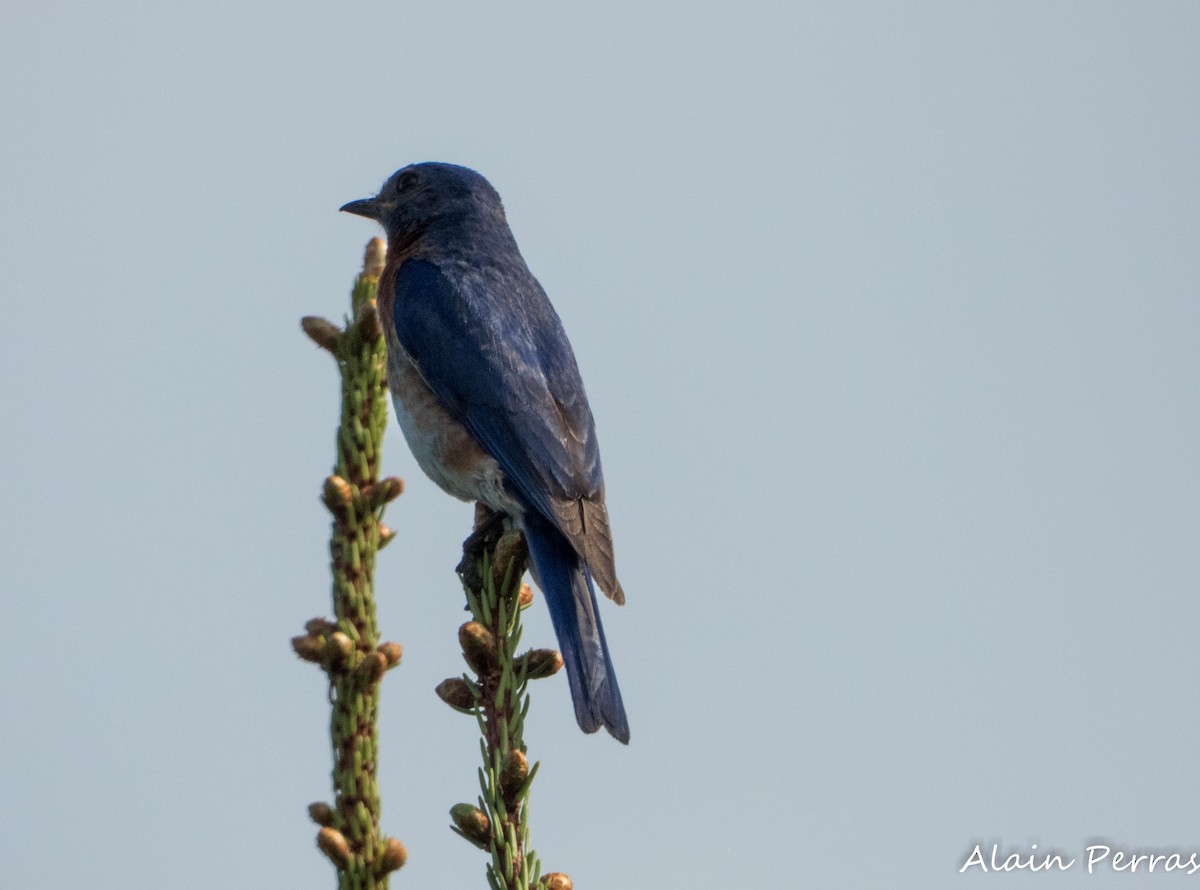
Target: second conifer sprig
[{"x": 495, "y": 692}]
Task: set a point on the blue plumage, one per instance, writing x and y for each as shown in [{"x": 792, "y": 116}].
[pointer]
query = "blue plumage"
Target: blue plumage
[
  {"x": 567, "y": 586},
  {"x": 509, "y": 377},
  {"x": 489, "y": 396}
]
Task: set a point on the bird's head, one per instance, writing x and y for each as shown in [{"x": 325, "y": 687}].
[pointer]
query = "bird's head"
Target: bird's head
[{"x": 420, "y": 196}]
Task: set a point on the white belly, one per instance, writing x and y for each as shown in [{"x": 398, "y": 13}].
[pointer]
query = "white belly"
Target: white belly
[{"x": 446, "y": 452}]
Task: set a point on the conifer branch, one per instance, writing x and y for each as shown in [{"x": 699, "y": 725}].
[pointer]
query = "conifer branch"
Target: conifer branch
[{"x": 348, "y": 647}]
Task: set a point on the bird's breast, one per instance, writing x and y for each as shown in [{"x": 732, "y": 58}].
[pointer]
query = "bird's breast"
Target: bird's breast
[{"x": 444, "y": 449}]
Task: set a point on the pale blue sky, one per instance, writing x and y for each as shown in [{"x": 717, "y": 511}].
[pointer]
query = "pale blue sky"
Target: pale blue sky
[{"x": 888, "y": 315}]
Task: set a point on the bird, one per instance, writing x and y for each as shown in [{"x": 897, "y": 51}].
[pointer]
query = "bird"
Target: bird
[{"x": 489, "y": 397}]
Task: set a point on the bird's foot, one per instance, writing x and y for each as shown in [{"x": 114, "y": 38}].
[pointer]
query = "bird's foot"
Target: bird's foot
[{"x": 489, "y": 526}]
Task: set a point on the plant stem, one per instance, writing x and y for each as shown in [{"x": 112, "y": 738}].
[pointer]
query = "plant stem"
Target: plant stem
[
  {"x": 491, "y": 571},
  {"x": 348, "y": 648}
]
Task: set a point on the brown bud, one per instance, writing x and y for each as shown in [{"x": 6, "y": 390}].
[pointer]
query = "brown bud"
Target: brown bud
[
  {"x": 320, "y": 627},
  {"x": 309, "y": 647},
  {"x": 324, "y": 333},
  {"x": 541, "y": 663},
  {"x": 385, "y": 535},
  {"x": 556, "y": 880},
  {"x": 456, "y": 692},
  {"x": 368, "y": 322},
  {"x": 321, "y": 813},
  {"x": 337, "y": 494},
  {"x": 333, "y": 844},
  {"x": 478, "y": 647},
  {"x": 525, "y": 597},
  {"x": 509, "y": 549},
  {"x": 338, "y": 648},
  {"x": 393, "y": 857},
  {"x": 372, "y": 667},
  {"x": 513, "y": 773},
  {"x": 393, "y": 652},
  {"x": 375, "y": 257},
  {"x": 386, "y": 490},
  {"x": 472, "y": 823}
]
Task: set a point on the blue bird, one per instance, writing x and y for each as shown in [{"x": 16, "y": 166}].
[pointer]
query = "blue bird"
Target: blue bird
[{"x": 490, "y": 400}]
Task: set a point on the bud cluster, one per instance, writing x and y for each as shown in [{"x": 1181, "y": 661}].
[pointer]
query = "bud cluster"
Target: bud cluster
[{"x": 325, "y": 644}]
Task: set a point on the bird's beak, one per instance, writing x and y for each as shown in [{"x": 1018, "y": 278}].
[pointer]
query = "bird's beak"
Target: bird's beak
[{"x": 368, "y": 207}]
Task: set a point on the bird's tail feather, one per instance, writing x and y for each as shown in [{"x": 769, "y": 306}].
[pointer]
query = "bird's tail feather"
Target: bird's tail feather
[{"x": 569, "y": 593}]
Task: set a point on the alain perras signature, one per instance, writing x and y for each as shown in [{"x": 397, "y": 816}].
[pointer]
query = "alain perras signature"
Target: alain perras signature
[{"x": 1096, "y": 857}]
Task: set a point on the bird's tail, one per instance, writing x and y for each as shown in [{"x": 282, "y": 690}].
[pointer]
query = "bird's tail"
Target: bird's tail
[{"x": 567, "y": 586}]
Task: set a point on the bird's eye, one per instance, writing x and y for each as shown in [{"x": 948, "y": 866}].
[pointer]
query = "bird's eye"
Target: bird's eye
[{"x": 406, "y": 181}]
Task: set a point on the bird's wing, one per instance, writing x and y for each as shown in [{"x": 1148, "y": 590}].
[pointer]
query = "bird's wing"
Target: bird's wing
[{"x": 494, "y": 352}]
